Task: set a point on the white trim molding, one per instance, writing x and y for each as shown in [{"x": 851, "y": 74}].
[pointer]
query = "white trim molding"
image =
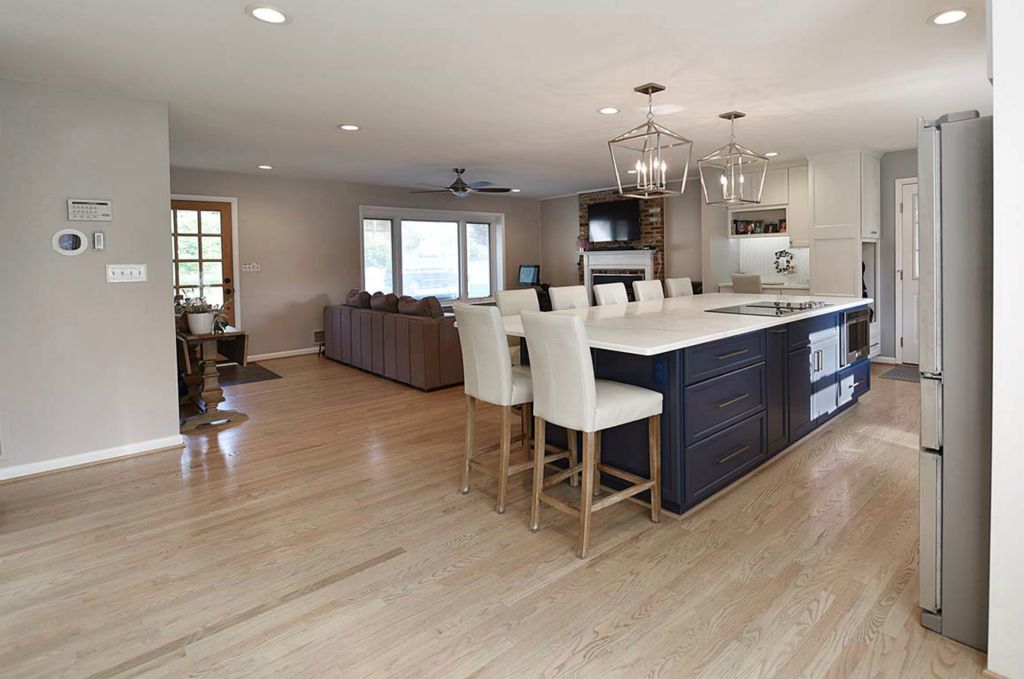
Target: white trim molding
[
  {"x": 898, "y": 260},
  {"x": 236, "y": 263},
  {"x": 284, "y": 354},
  {"x": 889, "y": 360},
  {"x": 129, "y": 449}
]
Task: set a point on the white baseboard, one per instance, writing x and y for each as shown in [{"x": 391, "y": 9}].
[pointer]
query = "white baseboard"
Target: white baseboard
[
  {"x": 284, "y": 354},
  {"x": 891, "y": 360},
  {"x": 32, "y": 468}
]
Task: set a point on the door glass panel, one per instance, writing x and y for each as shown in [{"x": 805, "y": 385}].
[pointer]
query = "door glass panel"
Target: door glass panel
[
  {"x": 188, "y": 247},
  {"x": 188, "y": 293},
  {"x": 188, "y": 221},
  {"x": 430, "y": 259},
  {"x": 214, "y": 295},
  {"x": 377, "y": 267},
  {"x": 212, "y": 247},
  {"x": 188, "y": 273},
  {"x": 478, "y": 260},
  {"x": 212, "y": 273},
  {"x": 210, "y": 221}
]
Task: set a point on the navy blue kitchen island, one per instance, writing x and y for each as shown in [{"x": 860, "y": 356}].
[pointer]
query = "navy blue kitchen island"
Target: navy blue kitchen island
[{"x": 731, "y": 404}]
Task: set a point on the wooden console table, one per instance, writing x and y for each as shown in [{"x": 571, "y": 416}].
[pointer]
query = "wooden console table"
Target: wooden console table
[{"x": 203, "y": 378}]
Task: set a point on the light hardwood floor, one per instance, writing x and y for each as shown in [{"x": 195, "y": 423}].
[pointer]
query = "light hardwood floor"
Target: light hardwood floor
[{"x": 327, "y": 536}]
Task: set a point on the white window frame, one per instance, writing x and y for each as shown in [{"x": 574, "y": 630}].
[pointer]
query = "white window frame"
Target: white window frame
[{"x": 396, "y": 215}]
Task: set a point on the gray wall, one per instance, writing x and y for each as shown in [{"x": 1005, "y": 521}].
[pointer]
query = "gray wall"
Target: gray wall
[
  {"x": 86, "y": 366},
  {"x": 682, "y": 234},
  {"x": 560, "y": 227},
  {"x": 305, "y": 233},
  {"x": 895, "y": 165}
]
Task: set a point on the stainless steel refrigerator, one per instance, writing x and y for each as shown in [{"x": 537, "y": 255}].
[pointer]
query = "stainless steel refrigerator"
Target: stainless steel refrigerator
[{"x": 954, "y": 155}]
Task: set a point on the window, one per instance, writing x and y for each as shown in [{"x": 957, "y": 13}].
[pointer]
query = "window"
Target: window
[{"x": 423, "y": 253}]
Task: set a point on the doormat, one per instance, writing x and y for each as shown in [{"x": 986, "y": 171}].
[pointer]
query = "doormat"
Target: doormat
[
  {"x": 234, "y": 374},
  {"x": 903, "y": 373}
]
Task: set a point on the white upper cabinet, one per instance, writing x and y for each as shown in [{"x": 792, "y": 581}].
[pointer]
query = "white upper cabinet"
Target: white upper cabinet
[
  {"x": 776, "y": 187},
  {"x": 798, "y": 214},
  {"x": 844, "y": 193}
]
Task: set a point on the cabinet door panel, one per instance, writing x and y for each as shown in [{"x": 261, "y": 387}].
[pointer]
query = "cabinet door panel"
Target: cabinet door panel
[
  {"x": 799, "y": 393},
  {"x": 776, "y": 417},
  {"x": 825, "y": 369}
]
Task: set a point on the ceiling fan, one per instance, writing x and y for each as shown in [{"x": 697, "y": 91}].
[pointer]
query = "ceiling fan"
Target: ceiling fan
[{"x": 460, "y": 189}]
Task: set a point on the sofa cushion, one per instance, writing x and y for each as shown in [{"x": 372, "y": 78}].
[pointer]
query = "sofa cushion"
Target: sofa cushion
[
  {"x": 358, "y": 298},
  {"x": 381, "y": 302},
  {"x": 428, "y": 306}
]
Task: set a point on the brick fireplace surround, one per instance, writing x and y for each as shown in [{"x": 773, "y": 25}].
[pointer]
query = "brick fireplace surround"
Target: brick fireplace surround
[{"x": 652, "y": 228}]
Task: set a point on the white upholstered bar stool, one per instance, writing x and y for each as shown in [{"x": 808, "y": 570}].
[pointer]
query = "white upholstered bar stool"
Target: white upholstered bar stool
[
  {"x": 610, "y": 293},
  {"x": 569, "y": 297},
  {"x": 567, "y": 394},
  {"x": 678, "y": 287},
  {"x": 746, "y": 283},
  {"x": 510, "y": 303},
  {"x": 490, "y": 377},
  {"x": 646, "y": 291}
]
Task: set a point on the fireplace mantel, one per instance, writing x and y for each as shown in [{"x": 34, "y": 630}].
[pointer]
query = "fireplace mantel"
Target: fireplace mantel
[{"x": 617, "y": 260}]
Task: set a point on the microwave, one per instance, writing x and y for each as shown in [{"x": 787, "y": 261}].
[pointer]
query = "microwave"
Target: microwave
[{"x": 856, "y": 335}]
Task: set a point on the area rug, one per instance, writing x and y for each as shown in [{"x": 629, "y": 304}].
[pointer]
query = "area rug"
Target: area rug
[
  {"x": 903, "y": 373},
  {"x": 234, "y": 374}
]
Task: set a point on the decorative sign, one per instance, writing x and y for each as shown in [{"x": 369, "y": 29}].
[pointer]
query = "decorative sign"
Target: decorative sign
[{"x": 89, "y": 210}]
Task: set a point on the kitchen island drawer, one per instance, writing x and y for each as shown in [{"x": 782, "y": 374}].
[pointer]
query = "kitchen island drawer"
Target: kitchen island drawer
[
  {"x": 722, "y": 458},
  {"x": 802, "y": 333},
  {"x": 854, "y": 380},
  {"x": 717, "y": 358},
  {"x": 715, "y": 404},
  {"x": 719, "y": 460}
]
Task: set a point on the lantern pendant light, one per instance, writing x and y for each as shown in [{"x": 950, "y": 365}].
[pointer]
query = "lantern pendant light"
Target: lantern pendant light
[
  {"x": 733, "y": 174},
  {"x": 650, "y": 160}
]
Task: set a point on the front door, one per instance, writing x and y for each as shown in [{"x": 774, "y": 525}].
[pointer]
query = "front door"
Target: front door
[
  {"x": 909, "y": 274},
  {"x": 202, "y": 254}
]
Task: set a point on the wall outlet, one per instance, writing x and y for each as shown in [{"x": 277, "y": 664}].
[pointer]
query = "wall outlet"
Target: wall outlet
[
  {"x": 251, "y": 267},
  {"x": 126, "y": 273}
]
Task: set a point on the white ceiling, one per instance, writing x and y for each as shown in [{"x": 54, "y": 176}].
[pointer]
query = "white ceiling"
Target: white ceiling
[{"x": 505, "y": 88}]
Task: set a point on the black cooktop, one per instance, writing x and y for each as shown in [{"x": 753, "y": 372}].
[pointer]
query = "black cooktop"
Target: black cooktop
[{"x": 770, "y": 308}]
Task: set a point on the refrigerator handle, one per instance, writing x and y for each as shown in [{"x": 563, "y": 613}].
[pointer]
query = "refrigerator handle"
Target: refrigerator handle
[
  {"x": 930, "y": 561},
  {"x": 929, "y": 172}
]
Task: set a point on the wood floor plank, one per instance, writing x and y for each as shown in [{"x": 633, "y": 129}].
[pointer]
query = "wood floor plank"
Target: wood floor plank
[{"x": 327, "y": 536}]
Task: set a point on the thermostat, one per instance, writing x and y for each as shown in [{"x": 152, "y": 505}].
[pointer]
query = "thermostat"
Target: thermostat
[
  {"x": 89, "y": 210},
  {"x": 70, "y": 242}
]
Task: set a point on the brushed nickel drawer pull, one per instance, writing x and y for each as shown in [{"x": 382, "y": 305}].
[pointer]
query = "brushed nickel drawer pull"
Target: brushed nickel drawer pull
[
  {"x": 742, "y": 449},
  {"x": 857, "y": 384},
  {"x": 731, "y": 354},
  {"x": 731, "y": 401}
]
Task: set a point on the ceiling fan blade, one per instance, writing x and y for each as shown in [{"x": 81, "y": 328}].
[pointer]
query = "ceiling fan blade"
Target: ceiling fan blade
[
  {"x": 433, "y": 191},
  {"x": 492, "y": 189},
  {"x": 480, "y": 184}
]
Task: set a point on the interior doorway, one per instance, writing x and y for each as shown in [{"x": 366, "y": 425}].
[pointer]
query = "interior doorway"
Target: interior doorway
[
  {"x": 908, "y": 262},
  {"x": 203, "y": 251}
]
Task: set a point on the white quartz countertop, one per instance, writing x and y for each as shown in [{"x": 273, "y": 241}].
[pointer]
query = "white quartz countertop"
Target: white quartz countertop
[
  {"x": 787, "y": 286},
  {"x": 651, "y": 328}
]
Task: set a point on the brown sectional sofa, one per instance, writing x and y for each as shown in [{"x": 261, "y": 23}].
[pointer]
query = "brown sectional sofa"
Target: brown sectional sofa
[{"x": 421, "y": 351}]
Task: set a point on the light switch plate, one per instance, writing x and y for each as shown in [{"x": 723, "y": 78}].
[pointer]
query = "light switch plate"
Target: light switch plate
[
  {"x": 126, "y": 273},
  {"x": 252, "y": 267}
]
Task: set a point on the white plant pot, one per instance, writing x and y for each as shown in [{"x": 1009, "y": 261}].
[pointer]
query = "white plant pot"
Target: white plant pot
[{"x": 201, "y": 324}]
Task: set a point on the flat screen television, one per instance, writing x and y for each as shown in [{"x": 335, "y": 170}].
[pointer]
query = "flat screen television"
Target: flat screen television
[
  {"x": 529, "y": 274},
  {"x": 617, "y": 220}
]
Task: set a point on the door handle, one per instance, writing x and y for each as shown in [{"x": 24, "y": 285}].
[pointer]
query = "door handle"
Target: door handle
[
  {"x": 725, "y": 458},
  {"x": 731, "y": 401},
  {"x": 732, "y": 354}
]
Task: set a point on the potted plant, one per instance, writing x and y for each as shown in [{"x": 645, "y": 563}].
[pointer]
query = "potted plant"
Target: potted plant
[{"x": 203, "y": 317}]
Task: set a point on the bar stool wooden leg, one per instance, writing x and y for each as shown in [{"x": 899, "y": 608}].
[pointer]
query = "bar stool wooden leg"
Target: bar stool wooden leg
[
  {"x": 597, "y": 463},
  {"x": 538, "y": 472},
  {"x": 526, "y": 416},
  {"x": 586, "y": 494},
  {"x": 470, "y": 429},
  {"x": 570, "y": 440},
  {"x": 503, "y": 458},
  {"x": 654, "y": 450}
]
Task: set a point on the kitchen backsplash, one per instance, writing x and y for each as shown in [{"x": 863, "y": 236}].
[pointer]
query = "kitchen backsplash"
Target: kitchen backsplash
[{"x": 757, "y": 255}]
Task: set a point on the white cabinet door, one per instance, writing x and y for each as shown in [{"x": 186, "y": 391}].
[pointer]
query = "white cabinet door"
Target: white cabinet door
[
  {"x": 798, "y": 214},
  {"x": 776, "y": 187},
  {"x": 871, "y": 199},
  {"x": 824, "y": 370}
]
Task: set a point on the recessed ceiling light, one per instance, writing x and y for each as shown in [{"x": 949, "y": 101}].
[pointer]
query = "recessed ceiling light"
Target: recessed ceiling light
[
  {"x": 771, "y": 154},
  {"x": 607, "y": 110},
  {"x": 265, "y": 167},
  {"x": 516, "y": 190},
  {"x": 267, "y": 14},
  {"x": 348, "y": 127},
  {"x": 950, "y": 16}
]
